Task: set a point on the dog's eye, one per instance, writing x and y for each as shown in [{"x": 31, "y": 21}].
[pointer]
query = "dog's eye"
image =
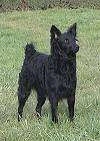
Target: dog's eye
[{"x": 67, "y": 41}]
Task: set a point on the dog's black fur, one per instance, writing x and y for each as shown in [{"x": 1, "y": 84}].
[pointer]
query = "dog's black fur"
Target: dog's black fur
[{"x": 52, "y": 76}]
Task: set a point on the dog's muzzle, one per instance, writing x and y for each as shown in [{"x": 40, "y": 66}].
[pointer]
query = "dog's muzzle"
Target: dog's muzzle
[{"x": 76, "y": 49}]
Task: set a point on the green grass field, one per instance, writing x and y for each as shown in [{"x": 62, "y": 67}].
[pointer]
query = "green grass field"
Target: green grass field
[{"x": 18, "y": 28}]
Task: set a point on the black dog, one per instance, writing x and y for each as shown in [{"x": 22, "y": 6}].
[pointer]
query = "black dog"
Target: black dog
[{"x": 52, "y": 76}]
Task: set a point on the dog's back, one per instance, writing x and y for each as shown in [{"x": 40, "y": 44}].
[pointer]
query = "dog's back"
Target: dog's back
[
  {"x": 33, "y": 58},
  {"x": 33, "y": 66}
]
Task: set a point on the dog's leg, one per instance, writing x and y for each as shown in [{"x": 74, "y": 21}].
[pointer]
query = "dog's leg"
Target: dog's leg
[
  {"x": 40, "y": 101},
  {"x": 71, "y": 103},
  {"x": 20, "y": 107},
  {"x": 54, "y": 103},
  {"x": 23, "y": 94}
]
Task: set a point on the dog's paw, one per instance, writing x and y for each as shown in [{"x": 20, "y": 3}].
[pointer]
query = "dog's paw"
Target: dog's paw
[
  {"x": 19, "y": 118},
  {"x": 37, "y": 115}
]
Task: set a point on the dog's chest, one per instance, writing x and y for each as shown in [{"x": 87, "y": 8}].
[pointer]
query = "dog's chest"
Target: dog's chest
[
  {"x": 67, "y": 70},
  {"x": 63, "y": 78}
]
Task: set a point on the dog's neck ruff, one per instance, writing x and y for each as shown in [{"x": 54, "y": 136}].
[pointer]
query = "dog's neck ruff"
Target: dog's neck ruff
[{"x": 64, "y": 59}]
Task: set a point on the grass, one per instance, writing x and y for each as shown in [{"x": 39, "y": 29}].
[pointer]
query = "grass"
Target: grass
[{"x": 18, "y": 28}]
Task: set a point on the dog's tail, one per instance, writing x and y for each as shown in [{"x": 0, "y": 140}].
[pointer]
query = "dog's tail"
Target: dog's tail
[{"x": 29, "y": 50}]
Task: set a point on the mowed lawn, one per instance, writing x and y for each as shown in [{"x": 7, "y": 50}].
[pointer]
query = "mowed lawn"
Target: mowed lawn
[{"x": 18, "y": 28}]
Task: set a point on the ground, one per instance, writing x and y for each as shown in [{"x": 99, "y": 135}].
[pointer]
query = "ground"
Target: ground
[{"x": 18, "y": 28}]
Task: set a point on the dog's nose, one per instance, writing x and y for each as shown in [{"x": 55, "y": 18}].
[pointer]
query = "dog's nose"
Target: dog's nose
[{"x": 77, "y": 48}]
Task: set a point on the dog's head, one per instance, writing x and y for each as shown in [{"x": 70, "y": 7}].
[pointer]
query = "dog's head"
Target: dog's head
[{"x": 64, "y": 43}]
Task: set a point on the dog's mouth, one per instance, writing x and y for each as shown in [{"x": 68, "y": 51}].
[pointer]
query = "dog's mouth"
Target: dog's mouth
[
  {"x": 75, "y": 50},
  {"x": 72, "y": 53}
]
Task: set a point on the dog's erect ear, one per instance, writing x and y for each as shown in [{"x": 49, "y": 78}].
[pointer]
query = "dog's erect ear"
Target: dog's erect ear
[
  {"x": 55, "y": 32},
  {"x": 72, "y": 29}
]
